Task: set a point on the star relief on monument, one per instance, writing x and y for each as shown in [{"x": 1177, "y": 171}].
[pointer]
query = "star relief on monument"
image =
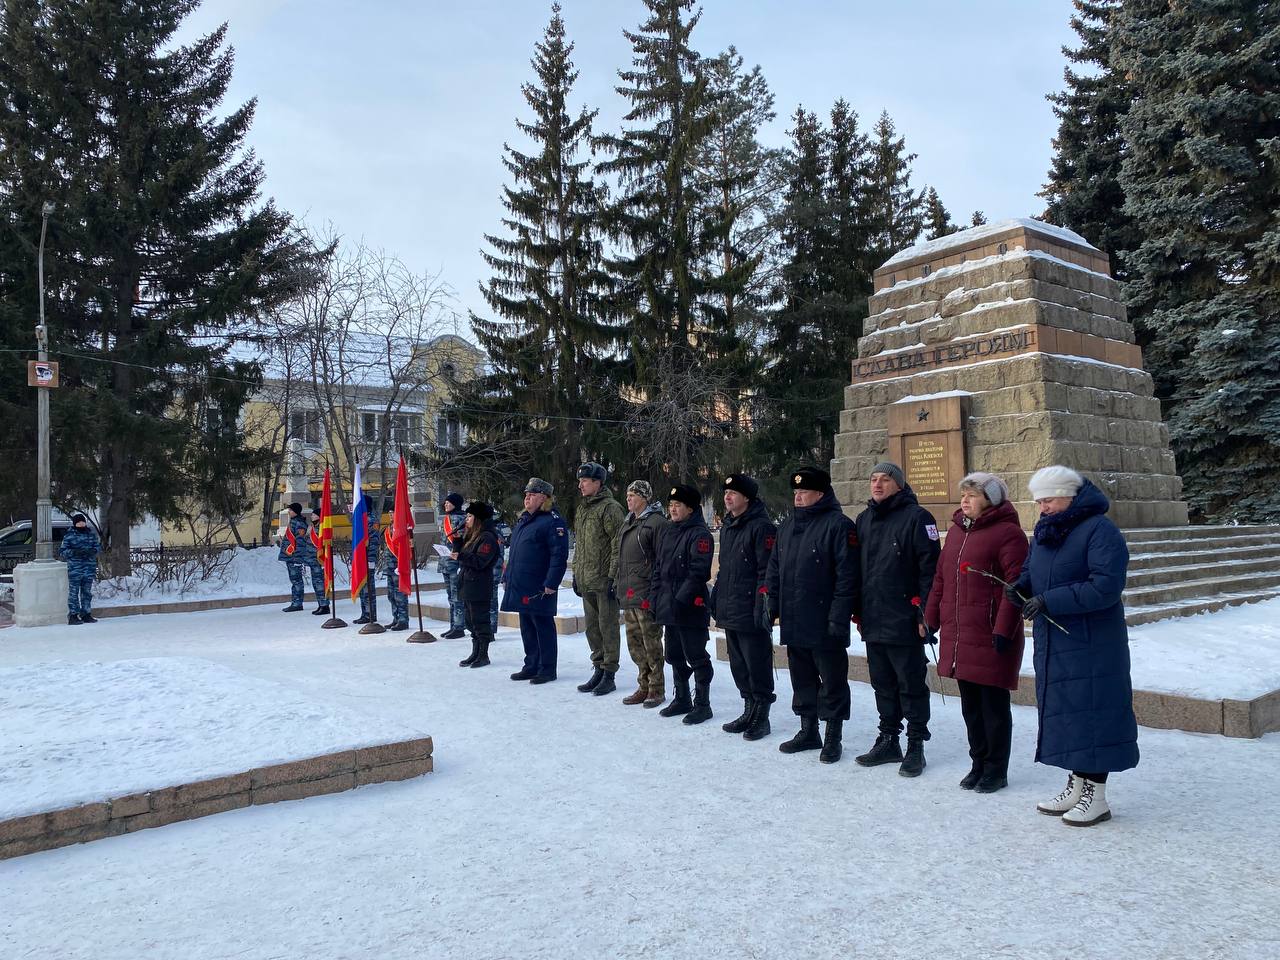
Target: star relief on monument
[{"x": 922, "y": 416}]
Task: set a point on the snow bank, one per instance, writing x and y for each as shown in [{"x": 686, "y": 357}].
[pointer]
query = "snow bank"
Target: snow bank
[{"x": 928, "y": 248}]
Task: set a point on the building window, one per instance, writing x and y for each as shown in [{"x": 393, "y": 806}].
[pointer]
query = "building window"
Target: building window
[
  {"x": 449, "y": 435},
  {"x": 304, "y": 425},
  {"x": 399, "y": 428}
]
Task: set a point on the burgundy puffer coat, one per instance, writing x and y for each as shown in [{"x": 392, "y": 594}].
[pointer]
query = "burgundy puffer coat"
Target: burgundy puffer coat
[{"x": 968, "y": 609}]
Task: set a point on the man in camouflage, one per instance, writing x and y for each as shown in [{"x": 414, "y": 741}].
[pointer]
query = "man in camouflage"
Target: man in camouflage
[
  {"x": 80, "y": 550},
  {"x": 311, "y": 558},
  {"x": 637, "y": 547},
  {"x": 387, "y": 565},
  {"x": 294, "y": 544},
  {"x": 595, "y": 568},
  {"x": 453, "y": 522}
]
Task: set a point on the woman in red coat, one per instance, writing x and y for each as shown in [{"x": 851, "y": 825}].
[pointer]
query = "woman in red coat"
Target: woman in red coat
[{"x": 980, "y": 630}]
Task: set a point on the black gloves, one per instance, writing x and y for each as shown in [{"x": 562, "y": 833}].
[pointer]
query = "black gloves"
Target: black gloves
[
  {"x": 574, "y": 584},
  {"x": 1000, "y": 643},
  {"x": 1012, "y": 595},
  {"x": 612, "y": 595},
  {"x": 1033, "y": 608}
]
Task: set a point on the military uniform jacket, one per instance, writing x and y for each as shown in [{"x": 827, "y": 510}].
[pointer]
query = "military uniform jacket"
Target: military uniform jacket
[
  {"x": 537, "y": 559},
  {"x": 476, "y": 560},
  {"x": 813, "y": 576},
  {"x": 79, "y": 548},
  {"x": 453, "y": 530},
  {"x": 387, "y": 559},
  {"x": 746, "y": 543},
  {"x": 899, "y": 543},
  {"x": 295, "y": 544},
  {"x": 678, "y": 586},
  {"x": 637, "y": 547},
  {"x": 595, "y": 532}
]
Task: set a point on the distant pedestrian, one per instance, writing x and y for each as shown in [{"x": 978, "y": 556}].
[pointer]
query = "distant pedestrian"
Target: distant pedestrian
[
  {"x": 899, "y": 544},
  {"x": 680, "y": 600},
  {"x": 1084, "y": 692},
  {"x": 811, "y": 588},
  {"x": 637, "y": 547},
  {"x": 535, "y": 567},
  {"x": 739, "y": 601},
  {"x": 79, "y": 549},
  {"x": 979, "y": 628},
  {"x": 595, "y": 567},
  {"x": 481, "y": 549},
  {"x": 452, "y": 531}
]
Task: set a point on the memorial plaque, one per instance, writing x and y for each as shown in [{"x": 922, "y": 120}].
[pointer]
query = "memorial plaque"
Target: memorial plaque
[{"x": 925, "y": 464}]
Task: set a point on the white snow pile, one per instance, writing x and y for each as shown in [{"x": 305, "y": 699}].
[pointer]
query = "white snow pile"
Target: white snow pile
[
  {"x": 930, "y": 247},
  {"x": 83, "y": 732}
]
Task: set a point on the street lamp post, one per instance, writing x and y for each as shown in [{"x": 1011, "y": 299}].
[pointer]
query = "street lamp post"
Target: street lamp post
[{"x": 44, "y": 500}]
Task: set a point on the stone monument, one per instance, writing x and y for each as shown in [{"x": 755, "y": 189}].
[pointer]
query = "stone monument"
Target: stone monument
[{"x": 1005, "y": 348}]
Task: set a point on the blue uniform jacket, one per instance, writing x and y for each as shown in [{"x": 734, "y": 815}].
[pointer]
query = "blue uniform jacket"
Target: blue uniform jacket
[
  {"x": 79, "y": 549},
  {"x": 537, "y": 559}
]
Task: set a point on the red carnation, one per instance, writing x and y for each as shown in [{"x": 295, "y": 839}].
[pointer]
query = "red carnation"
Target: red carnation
[
  {"x": 764, "y": 590},
  {"x": 966, "y": 567},
  {"x": 644, "y": 604},
  {"x": 630, "y": 593},
  {"x": 697, "y": 601},
  {"x": 915, "y": 601}
]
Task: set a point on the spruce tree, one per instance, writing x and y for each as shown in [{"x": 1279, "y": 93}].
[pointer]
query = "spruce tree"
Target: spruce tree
[
  {"x": 1199, "y": 174},
  {"x": 897, "y": 210},
  {"x": 549, "y": 349},
  {"x": 1084, "y": 192},
  {"x": 937, "y": 221},
  {"x": 978, "y": 219},
  {"x": 159, "y": 250}
]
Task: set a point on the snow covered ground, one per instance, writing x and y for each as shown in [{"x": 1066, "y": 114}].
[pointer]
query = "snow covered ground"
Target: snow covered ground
[{"x": 563, "y": 825}]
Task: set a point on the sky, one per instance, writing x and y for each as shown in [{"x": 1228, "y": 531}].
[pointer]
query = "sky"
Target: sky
[{"x": 386, "y": 119}]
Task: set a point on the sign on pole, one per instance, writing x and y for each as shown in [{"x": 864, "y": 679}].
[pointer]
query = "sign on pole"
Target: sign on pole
[{"x": 42, "y": 373}]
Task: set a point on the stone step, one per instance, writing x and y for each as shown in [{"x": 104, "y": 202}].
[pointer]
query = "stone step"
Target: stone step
[
  {"x": 1151, "y": 613},
  {"x": 1206, "y": 543},
  {"x": 1182, "y": 558},
  {"x": 1208, "y": 588},
  {"x": 1224, "y": 567},
  {"x": 1195, "y": 532}
]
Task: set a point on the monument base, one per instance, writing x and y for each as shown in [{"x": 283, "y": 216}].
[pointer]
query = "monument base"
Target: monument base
[{"x": 40, "y": 593}]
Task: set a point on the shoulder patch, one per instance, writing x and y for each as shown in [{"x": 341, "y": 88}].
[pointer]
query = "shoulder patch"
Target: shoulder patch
[
  {"x": 932, "y": 530},
  {"x": 704, "y": 544},
  {"x": 486, "y": 547},
  {"x": 769, "y": 541},
  {"x": 853, "y": 537},
  {"x": 559, "y": 531}
]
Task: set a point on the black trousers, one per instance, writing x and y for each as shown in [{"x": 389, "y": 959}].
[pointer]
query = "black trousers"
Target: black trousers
[
  {"x": 899, "y": 676},
  {"x": 819, "y": 682},
  {"x": 1095, "y": 777},
  {"x": 751, "y": 662},
  {"x": 989, "y": 722},
  {"x": 685, "y": 648},
  {"x": 477, "y": 619}
]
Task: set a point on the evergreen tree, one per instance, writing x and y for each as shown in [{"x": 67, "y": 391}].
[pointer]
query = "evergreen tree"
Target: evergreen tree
[
  {"x": 549, "y": 352},
  {"x": 937, "y": 222},
  {"x": 978, "y": 219},
  {"x": 848, "y": 206},
  {"x": 897, "y": 210},
  {"x": 1084, "y": 192},
  {"x": 159, "y": 250},
  {"x": 1201, "y": 179}
]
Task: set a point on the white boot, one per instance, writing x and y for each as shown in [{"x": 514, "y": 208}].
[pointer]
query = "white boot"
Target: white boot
[
  {"x": 1066, "y": 799},
  {"x": 1091, "y": 808}
]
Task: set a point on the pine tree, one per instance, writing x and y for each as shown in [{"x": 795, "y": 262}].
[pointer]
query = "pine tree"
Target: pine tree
[
  {"x": 1084, "y": 192},
  {"x": 159, "y": 249},
  {"x": 1201, "y": 182},
  {"x": 937, "y": 222},
  {"x": 849, "y": 207},
  {"x": 978, "y": 219},
  {"x": 897, "y": 210},
  {"x": 550, "y": 350}
]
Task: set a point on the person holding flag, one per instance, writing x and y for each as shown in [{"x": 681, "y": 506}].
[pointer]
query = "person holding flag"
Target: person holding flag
[
  {"x": 312, "y": 560},
  {"x": 453, "y": 531},
  {"x": 364, "y": 554},
  {"x": 397, "y": 558},
  {"x": 293, "y": 552},
  {"x": 325, "y": 548}
]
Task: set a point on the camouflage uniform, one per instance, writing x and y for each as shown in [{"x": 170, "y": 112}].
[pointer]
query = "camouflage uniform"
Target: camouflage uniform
[
  {"x": 294, "y": 548},
  {"x": 80, "y": 550},
  {"x": 399, "y": 601},
  {"x": 595, "y": 566},
  {"x": 637, "y": 547},
  {"x": 312, "y": 560},
  {"x": 454, "y": 521},
  {"x": 369, "y": 595}
]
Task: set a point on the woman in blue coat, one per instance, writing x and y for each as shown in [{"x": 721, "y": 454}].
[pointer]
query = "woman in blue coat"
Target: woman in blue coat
[
  {"x": 1074, "y": 578},
  {"x": 536, "y": 562}
]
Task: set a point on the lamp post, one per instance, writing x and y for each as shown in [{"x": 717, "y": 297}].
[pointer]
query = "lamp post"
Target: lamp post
[{"x": 44, "y": 501}]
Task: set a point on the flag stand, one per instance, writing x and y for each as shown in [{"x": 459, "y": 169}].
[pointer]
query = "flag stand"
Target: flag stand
[
  {"x": 423, "y": 635},
  {"x": 335, "y": 621}
]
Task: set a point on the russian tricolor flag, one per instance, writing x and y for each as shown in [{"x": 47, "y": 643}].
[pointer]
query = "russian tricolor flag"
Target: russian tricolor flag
[{"x": 359, "y": 537}]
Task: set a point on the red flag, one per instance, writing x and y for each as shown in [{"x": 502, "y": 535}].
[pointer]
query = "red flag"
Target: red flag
[
  {"x": 326, "y": 537},
  {"x": 400, "y": 537}
]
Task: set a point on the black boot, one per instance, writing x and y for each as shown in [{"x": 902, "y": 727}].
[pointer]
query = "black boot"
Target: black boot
[
  {"x": 592, "y": 682},
  {"x": 992, "y": 781},
  {"x": 293, "y": 608},
  {"x": 885, "y": 750},
  {"x": 85, "y": 618},
  {"x": 741, "y": 723},
  {"x": 475, "y": 651},
  {"x": 701, "y": 704},
  {"x": 481, "y": 655},
  {"x": 524, "y": 673},
  {"x": 972, "y": 777},
  {"x": 759, "y": 728},
  {"x": 322, "y": 611},
  {"x": 913, "y": 762},
  {"x": 806, "y": 739},
  {"x": 680, "y": 703},
  {"x": 831, "y": 748},
  {"x": 73, "y": 619},
  {"x": 606, "y": 685},
  {"x": 363, "y": 618}
]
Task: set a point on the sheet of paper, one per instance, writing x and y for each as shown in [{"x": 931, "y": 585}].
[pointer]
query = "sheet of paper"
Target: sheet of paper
[{"x": 441, "y": 549}]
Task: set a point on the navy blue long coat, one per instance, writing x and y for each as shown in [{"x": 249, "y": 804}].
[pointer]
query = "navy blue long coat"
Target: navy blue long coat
[
  {"x": 537, "y": 558},
  {"x": 1084, "y": 693}
]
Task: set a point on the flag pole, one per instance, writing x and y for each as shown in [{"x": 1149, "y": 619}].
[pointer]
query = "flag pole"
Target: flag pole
[
  {"x": 423, "y": 635},
  {"x": 334, "y": 622}
]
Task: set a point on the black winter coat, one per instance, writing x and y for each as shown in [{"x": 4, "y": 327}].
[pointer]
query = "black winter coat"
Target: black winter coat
[
  {"x": 746, "y": 543},
  {"x": 475, "y": 562},
  {"x": 899, "y": 546},
  {"x": 813, "y": 576},
  {"x": 678, "y": 587}
]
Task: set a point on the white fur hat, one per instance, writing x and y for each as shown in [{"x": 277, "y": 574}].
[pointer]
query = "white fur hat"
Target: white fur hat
[{"x": 1056, "y": 481}]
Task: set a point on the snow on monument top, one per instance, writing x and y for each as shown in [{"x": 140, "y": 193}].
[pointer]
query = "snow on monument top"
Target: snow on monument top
[{"x": 929, "y": 249}]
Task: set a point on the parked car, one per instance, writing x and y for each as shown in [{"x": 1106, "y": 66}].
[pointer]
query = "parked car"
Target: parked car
[{"x": 18, "y": 542}]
